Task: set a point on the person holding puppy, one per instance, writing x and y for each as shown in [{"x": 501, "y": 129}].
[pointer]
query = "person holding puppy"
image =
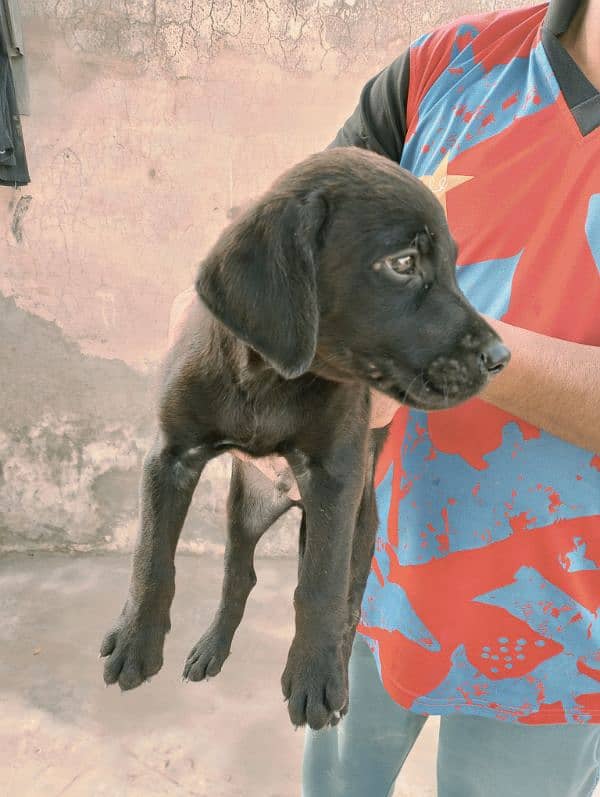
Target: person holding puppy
[{"x": 481, "y": 606}]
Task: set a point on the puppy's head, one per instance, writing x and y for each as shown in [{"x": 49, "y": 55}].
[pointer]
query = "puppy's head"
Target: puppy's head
[{"x": 347, "y": 267}]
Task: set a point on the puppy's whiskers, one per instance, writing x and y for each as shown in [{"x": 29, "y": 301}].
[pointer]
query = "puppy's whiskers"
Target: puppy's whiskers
[{"x": 410, "y": 384}]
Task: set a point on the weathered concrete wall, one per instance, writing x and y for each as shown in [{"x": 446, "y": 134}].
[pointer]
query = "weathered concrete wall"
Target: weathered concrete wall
[{"x": 151, "y": 122}]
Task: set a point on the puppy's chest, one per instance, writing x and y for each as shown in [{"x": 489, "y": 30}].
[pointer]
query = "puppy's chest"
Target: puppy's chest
[{"x": 263, "y": 422}]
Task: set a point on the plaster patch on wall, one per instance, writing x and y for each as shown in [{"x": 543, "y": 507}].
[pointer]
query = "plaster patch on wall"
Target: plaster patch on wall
[
  {"x": 47, "y": 494},
  {"x": 21, "y": 208},
  {"x": 63, "y": 491}
]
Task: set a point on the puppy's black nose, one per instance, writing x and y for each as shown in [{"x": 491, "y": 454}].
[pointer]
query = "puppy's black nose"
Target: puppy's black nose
[{"x": 494, "y": 356}]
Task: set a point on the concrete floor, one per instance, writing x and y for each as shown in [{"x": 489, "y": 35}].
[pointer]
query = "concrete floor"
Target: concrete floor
[{"x": 63, "y": 733}]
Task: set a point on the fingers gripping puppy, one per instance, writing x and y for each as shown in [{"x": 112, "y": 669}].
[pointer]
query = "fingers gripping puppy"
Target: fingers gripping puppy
[{"x": 340, "y": 279}]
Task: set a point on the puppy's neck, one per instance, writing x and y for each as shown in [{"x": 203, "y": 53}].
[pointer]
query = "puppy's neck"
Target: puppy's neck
[{"x": 334, "y": 363}]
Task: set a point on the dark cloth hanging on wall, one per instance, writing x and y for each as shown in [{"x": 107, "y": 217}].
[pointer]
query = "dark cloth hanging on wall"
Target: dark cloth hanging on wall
[{"x": 13, "y": 163}]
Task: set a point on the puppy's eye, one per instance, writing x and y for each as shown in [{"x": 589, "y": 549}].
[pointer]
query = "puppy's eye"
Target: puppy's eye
[{"x": 405, "y": 264}]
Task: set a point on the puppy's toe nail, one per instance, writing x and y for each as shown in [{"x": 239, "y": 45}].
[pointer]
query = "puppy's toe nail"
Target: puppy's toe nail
[{"x": 337, "y": 715}]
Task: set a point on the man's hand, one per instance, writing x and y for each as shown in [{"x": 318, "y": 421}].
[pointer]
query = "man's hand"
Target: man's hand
[
  {"x": 180, "y": 309},
  {"x": 272, "y": 467}
]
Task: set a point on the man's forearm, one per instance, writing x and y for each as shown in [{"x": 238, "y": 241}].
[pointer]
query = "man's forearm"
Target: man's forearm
[{"x": 551, "y": 383}]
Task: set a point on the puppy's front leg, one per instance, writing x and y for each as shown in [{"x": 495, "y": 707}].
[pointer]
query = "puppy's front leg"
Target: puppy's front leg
[
  {"x": 315, "y": 680},
  {"x": 135, "y": 643}
]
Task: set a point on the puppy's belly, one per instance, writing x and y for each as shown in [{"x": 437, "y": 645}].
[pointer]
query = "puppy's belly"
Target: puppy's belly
[{"x": 274, "y": 468}]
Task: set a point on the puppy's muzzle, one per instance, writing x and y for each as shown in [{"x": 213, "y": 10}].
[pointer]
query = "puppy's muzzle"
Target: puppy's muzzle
[{"x": 462, "y": 374}]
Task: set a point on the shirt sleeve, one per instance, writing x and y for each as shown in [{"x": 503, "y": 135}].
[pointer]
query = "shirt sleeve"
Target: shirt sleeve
[{"x": 379, "y": 120}]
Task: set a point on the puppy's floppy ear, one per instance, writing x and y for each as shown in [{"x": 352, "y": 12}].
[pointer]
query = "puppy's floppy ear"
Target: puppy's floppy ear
[{"x": 260, "y": 279}]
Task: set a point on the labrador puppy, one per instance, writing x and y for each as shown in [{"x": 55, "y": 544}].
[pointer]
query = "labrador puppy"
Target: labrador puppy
[{"x": 341, "y": 278}]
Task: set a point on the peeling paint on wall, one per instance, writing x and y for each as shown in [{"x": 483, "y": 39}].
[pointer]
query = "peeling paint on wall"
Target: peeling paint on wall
[{"x": 21, "y": 208}]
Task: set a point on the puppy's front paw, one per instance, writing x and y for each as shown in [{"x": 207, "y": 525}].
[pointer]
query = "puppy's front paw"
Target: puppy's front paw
[
  {"x": 134, "y": 651},
  {"x": 315, "y": 684},
  {"x": 206, "y": 657}
]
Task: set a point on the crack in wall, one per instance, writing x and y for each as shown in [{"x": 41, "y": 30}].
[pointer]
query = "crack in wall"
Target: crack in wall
[{"x": 297, "y": 35}]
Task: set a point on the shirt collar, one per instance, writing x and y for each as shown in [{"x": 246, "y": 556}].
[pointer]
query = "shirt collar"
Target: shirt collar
[{"x": 559, "y": 15}]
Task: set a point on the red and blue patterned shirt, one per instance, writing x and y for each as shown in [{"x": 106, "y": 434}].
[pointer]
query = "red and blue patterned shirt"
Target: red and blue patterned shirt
[{"x": 485, "y": 587}]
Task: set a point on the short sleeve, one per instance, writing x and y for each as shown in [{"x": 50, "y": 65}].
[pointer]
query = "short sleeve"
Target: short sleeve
[{"x": 378, "y": 122}]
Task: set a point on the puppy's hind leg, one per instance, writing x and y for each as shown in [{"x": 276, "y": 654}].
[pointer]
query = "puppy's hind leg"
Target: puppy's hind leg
[{"x": 254, "y": 504}]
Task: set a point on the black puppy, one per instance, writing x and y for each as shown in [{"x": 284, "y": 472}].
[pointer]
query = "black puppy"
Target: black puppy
[{"x": 341, "y": 278}]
